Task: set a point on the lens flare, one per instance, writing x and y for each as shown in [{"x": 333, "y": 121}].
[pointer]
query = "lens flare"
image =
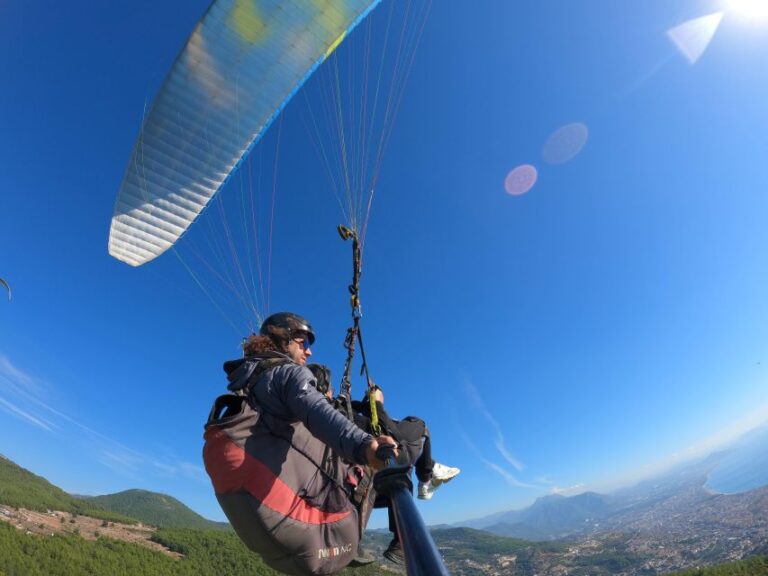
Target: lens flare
[
  {"x": 692, "y": 38},
  {"x": 565, "y": 143},
  {"x": 520, "y": 179}
]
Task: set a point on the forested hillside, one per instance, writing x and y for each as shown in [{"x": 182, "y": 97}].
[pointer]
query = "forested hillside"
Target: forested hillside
[
  {"x": 211, "y": 553},
  {"x": 156, "y": 509},
  {"x": 755, "y": 566},
  {"x": 29, "y": 549},
  {"x": 204, "y": 553},
  {"x": 22, "y": 489}
]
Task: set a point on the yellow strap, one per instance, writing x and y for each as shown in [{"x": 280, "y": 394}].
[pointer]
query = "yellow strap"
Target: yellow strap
[{"x": 375, "y": 428}]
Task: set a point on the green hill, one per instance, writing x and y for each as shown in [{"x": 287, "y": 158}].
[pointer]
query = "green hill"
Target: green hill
[
  {"x": 155, "y": 509},
  {"x": 755, "y": 566},
  {"x": 214, "y": 549},
  {"x": 21, "y": 488},
  {"x": 206, "y": 552},
  {"x": 468, "y": 541}
]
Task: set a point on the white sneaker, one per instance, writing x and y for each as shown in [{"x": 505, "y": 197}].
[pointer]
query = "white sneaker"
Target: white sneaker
[
  {"x": 440, "y": 475},
  {"x": 426, "y": 490}
]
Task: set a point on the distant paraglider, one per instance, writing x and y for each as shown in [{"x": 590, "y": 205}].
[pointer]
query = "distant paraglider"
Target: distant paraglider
[{"x": 7, "y": 287}]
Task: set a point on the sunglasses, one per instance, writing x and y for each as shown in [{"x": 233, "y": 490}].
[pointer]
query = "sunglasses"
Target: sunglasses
[{"x": 303, "y": 342}]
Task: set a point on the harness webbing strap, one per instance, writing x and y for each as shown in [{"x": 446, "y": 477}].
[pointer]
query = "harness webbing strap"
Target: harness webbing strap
[
  {"x": 355, "y": 333},
  {"x": 346, "y": 383}
]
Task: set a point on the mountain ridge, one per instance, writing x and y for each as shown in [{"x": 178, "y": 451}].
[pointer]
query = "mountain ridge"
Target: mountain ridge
[
  {"x": 21, "y": 488},
  {"x": 155, "y": 508},
  {"x": 555, "y": 516}
]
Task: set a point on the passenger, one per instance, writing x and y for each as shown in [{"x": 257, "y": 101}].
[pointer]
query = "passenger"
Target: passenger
[{"x": 413, "y": 437}]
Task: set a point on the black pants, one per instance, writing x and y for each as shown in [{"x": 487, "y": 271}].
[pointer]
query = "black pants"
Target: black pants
[{"x": 411, "y": 434}]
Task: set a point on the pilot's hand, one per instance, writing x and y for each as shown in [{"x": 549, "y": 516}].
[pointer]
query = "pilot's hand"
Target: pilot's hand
[{"x": 375, "y": 452}]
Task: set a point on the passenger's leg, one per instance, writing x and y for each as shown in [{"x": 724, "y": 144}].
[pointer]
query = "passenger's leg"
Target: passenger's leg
[
  {"x": 394, "y": 552},
  {"x": 424, "y": 463}
]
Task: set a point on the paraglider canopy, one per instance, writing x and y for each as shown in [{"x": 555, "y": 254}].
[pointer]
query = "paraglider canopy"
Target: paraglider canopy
[
  {"x": 242, "y": 64},
  {"x": 7, "y": 287}
]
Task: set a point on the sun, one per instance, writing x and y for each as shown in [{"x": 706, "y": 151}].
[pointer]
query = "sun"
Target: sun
[{"x": 752, "y": 10}]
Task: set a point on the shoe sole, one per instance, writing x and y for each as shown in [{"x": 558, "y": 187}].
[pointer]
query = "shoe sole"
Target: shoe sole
[
  {"x": 438, "y": 481},
  {"x": 400, "y": 561}
]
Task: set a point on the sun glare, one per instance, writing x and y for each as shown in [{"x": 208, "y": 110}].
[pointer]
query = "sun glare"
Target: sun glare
[
  {"x": 692, "y": 37},
  {"x": 752, "y": 10}
]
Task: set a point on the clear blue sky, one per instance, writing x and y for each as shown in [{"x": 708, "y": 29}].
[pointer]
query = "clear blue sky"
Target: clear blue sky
[{"x": 615, "y": 314}]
